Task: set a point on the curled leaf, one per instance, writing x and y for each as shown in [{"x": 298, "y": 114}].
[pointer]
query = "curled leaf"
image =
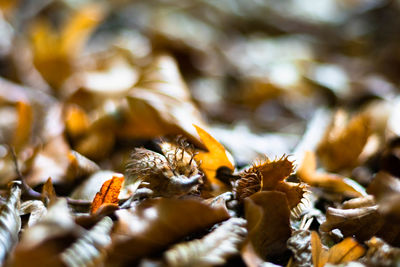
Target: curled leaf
[
  {"x": 156, "y": 224},
  {"x": 345, "y": 251},
  {"x": 343, "y": 143},
  {"x": 90, "y": 248},
  {"x": 35, "y": 209},
  {"x": 10, "y": 222},
  {"x": 108, "y": 194},
  {"x": 213, "y": 249},
  {"x": 267, "y": 214},
  {"x": 327, "y": 181}
]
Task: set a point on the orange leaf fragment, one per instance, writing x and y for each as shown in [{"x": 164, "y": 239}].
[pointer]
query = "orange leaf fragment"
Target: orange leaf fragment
[
  {"x": 332, "y": 182},
  {"x": 24, "y": 125},
  {"x": 347, "y": 250},
  {"x": 215, "y": 158},
  {"x": 108, "y": 193}
]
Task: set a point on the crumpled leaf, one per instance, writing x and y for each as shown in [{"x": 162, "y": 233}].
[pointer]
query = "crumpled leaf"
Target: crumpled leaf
[
  {"x": 270, "y": 176},
  {"x": 343, "y": 142},
  {"x": 216, "y": 157},
  {"x": 345, "y": 251},
  {"x": 157, "y": 223},
  {"x": 213, "y": 249},
  {"x": 327, "y": 181},
  {"x": 10, "y": 222},
  {"x": 108, "y": 193},
  {"x": 173, "y": 174},
  {"x": 35, "y": 209},
  {"x": 89, "y": 250},
  {"x": 160, "y": 104},
  {"x": 267, "y": 214},
  {"x": 380, "y": 253}
]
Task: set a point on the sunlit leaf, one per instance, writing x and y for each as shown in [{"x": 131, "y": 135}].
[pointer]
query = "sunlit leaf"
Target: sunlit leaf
[
  {"x": 215, "y": 158},
  {"x": 24, "y": 124},
  {"x": 108, "y": 193}
]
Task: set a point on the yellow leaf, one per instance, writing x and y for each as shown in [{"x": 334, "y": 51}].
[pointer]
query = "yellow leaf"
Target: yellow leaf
[
  {"x": 319, "y": 254},
  {"x": 215, "y": 158},
  {"x": 24, "y": 125}
]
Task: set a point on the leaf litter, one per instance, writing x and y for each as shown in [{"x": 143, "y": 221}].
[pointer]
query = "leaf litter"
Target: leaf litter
[{"x": 175, "y": 133}]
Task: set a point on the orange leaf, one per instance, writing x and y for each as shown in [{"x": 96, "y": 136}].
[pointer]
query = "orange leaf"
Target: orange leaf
[
  {"x": 215, "y": 158},
  {"x": 345, "y": 251},
  {"x": 332, "y": 182},
  {"x": 76, "y": 121},
  {"x": 24, "y": 125},
  {"x": 48, "y": 191},
  {"x": 108, "y": 193}
]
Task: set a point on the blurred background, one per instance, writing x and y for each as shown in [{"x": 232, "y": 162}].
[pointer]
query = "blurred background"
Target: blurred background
[{"x": 111, "y": 75}]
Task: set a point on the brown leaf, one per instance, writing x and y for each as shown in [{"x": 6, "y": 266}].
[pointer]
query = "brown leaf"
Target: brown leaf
[
  {"x": 48, "y": 192},
  {"x": 108, "y": 194},
  {"x": 343, "y": 142},
  {"x": 327, "y": 181},
  {"x": 214, "y": 158},
  {"x": 160, "y": 104},
  {"x": 157, "y": 223},
  {"x": 381, "y": 254},
  {"x": 213, "y": 249},
  {"x": 267, "y": 214},
  {"x": 345, "y": 251}
]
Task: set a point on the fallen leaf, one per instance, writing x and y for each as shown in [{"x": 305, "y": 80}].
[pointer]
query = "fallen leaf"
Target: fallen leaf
[
  {"x": 35, "y": 209},
  {"x": 48, "y": 192},
  {"x": 24, "y": 125},
  {"x": 157, "y": 223},
  {"x": 10, "y": 221},
  {"x": 343, "y": 143},
  {"x": 89, "y": 250},
  {"x": 327, "y": 181},
  {"x": 76, "y": 121},
  {"x": 108, "y": 194},
  {"x": 215, "y": 158},
  {"x": 160, "y": 104},
  {"x": 213, "y": 249},
  {"x": 380, "y": 253},
  {"x": 267, "y": 214},
  {"x": 345, "y": 251}
]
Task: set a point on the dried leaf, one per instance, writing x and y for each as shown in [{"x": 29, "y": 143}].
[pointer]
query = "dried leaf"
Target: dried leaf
[
  {"x": 267, "y": 214},
  {"x": 213, "y": 249},
  {"x": 300, "y": 244},
  {"x": 24, "y": 125},
  {"x": 108, "y": 193},
  {"x": 35, "y": 209},
  {"x": 343, "y": 143},
  {"x": 362, "y": 223},
  {"x": 89, "y": 188},
  {"x": 380, "y": 253},
  {"x": 270, "y": 176},
  {"x": 10, "y": 222},
  {"x": 157, "y": 223},
  {"x": 160, "y": 104},
  {"x": 215, "y": 158},
  {"x": 96, "y": 144},
  {"x": 89, "y": 250},
  {"x": 48, "y": 192},
  {"x": 163, "y": 175},
  {"x": 345, "y": 251},
  {"x": 76, "y": 121},
  {"x": 327, "y": 181}
]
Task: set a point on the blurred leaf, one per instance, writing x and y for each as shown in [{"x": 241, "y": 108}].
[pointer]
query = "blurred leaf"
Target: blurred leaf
[
  {"x": 380, "y": 253},
  {"x": 327, "y": 181},
  {"x": 10, "y": 222},
  {"x": 343, "y": 142},
  {"x": 157, "y": 223},
  {"x": 24, "y": 125},
  {"x": 35, "y": 209},
  {"x": 108, "y": 194},
  {"x": 345, "y": 251},
  {"x": 48, "y": 192},
  {"x": 160, "y": 104},
  {"x": 76, "y": 121},
  {"x": 300, "y": 244},
  {"x": 89, "y": 250},
  {"x": 215, "y": 158},
  {"x": 267, "y": 214},
  {"x": 213, "y": 249}
]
